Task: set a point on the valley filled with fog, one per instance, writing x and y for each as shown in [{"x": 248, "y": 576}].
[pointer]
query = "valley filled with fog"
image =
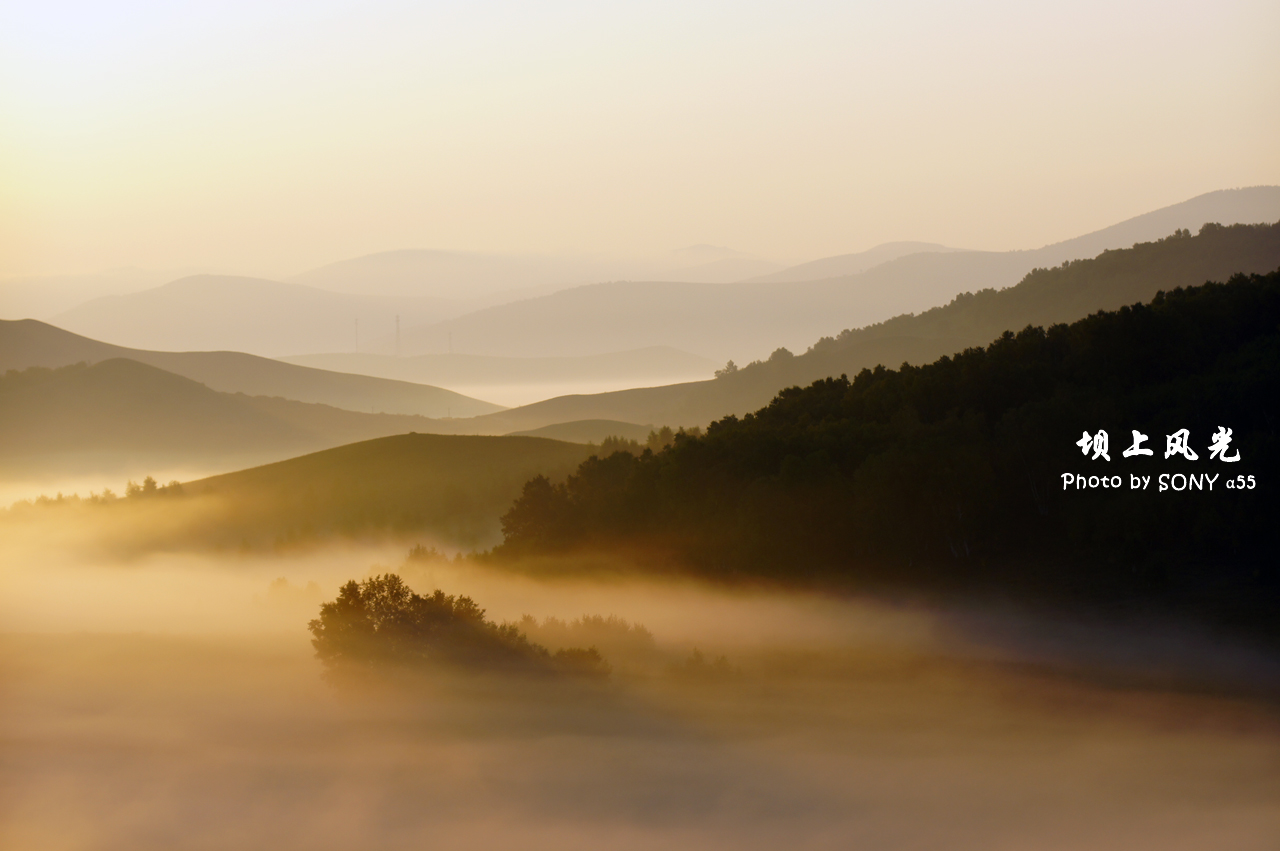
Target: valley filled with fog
[{"x": 176, "y": 701}]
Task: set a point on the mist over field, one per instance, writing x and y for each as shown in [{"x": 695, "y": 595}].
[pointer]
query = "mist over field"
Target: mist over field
[{"x": 175, "y": 702}]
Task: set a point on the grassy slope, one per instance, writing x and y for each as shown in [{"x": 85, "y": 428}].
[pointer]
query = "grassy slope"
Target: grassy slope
[
  {"x": 122, "y": 412},
  {"x": 448, "y": 487},
  {"x": 26, "y": 343}
]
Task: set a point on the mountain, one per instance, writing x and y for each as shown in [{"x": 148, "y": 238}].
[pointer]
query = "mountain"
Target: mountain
[
  {"x": 255, "y": 315},
  {"x": 851, "y": 264},
  {"x": 1228, "y": 206},
  {"x": 657, "y": 364},
  {"x": 748, "y": 320},
  {"x": 123, "y": 415},
  {"x": 499, "y": 278},
  {"x": 1046, "y": 296},
  {"x": 27, "y": 343},
  {"x": 454, "y": 275},
  {"x": 715, "y": 321}
]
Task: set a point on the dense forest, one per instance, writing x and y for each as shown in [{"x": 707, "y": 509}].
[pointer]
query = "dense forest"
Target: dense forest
[{"x": 949, "y": 477}]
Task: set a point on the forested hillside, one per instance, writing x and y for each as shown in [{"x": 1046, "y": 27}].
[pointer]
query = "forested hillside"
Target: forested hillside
[
  {"x": 949, "y": 477},
  {"x": 1062, "y": 294},
  {"x": 1045, "y": 296}
]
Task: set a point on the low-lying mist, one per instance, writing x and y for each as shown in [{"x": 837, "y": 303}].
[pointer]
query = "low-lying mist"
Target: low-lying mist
[{"x": 174, "y": 701}]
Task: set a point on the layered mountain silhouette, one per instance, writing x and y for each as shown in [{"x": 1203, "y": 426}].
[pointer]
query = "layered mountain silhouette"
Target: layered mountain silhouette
[
  {"x": 121, "y": 405},
  {"x": 26, "y": 343},
  {"x": 851, "y": 264},
  {"x": 1228, "y": 206},
  {"x": 123, "y": 415},
  {"x": 654, "y": 364},
  {"x": 747, "y": 320},
  {"x": 1046, "y": 296},
  {"x": 514, "y": 306},
  {"x": 495, "y": 278},
  {"x": 252, "y": 315}
]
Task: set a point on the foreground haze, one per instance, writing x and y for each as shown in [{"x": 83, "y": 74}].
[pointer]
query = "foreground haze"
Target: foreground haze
[{"x": 175, "y": 703}]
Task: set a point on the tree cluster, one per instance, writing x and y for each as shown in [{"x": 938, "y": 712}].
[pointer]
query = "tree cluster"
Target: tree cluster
[{"x": 381, "y": 621}]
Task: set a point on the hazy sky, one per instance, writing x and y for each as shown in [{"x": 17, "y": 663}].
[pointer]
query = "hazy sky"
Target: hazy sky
[{"x": 271, "y": 137}]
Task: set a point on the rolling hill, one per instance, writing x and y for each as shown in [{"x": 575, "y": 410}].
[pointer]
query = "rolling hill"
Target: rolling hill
[
  {"x": 1046, "y": 296},
  {"x": 120, "y": 415},
  {"x": 446, "y": 491},
  {"x": 255, "y": 315},
  {"x": 26, "y": 343},
  {"x": 1229, "y": 206},
  {"x": 122, "y": 407},
  {"x": 457, "y": 275},
  {"x": 746, "y": 321},
  {"x": 851, "y": 264},
  {"x": 497, "y": 278},
  {"x": 445, "y": 486},
  {"x": 656, "y": 364}
]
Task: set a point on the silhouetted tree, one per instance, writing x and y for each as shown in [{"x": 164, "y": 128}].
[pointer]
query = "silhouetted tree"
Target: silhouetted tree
[
  {"x": 728, "y": 369},
  {"x": 382, "y": 621}
]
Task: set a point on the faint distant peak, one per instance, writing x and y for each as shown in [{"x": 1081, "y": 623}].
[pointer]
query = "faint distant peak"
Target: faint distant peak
[
  {"x": 851, "y": 264},
  {"x": 1247, "y": 205}
]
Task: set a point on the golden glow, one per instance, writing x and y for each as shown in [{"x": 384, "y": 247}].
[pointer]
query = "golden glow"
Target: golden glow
[{"x": 271, "y": 138}]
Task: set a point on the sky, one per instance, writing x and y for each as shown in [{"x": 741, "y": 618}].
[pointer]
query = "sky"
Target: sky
[{"x": 268, "y": 138}]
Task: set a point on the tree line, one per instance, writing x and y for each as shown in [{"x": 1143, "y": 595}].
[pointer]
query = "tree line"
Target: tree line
[{"x": 948, "y": 477}]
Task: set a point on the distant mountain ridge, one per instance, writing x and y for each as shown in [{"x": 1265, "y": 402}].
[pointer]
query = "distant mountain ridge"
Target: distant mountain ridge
[
  {"x": 488, "y": 277},
  {"x": 127, "y": 407},
  {"x": 26, "y": 343},
  {"x": 254, "y": 315},
  {"x": 1063, "y": 294},
  {"x": 851, "y": 264},
  {"x": 654, "y": 362},
  {"x": 1249, "y": 205},
  {"x": 745, "y": 321},
  {"x": 441, "y": 297}
]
